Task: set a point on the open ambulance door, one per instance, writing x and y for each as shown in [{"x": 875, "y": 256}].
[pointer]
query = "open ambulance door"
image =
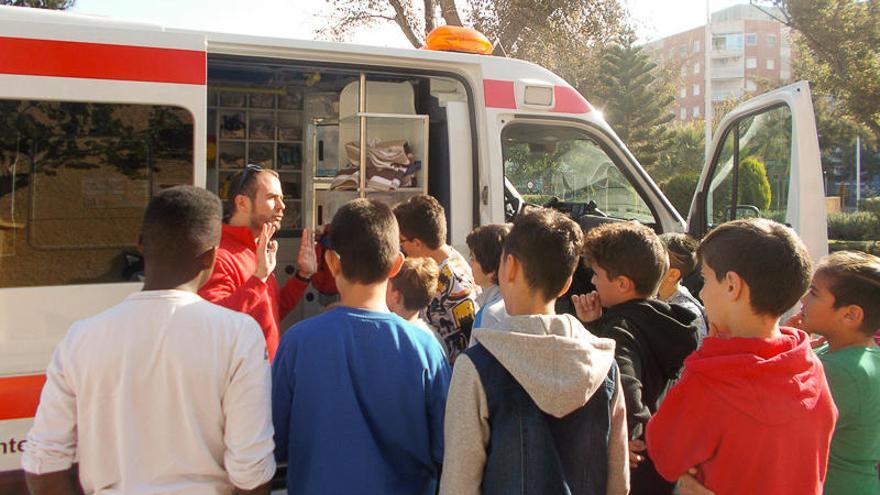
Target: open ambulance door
[
  {"x": 97, "y": 117},
  {"x": 765, "y": 162}
]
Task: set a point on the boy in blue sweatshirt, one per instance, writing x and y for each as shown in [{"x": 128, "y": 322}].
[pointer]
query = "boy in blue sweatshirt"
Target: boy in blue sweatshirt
[{"x": 358, "y": 393}]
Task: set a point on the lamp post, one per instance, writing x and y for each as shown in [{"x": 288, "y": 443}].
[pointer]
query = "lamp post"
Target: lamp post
[{"x": 707, "y": 90}]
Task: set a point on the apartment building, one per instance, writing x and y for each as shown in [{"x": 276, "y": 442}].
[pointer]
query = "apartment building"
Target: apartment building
[{"x": 747, "y": 46}]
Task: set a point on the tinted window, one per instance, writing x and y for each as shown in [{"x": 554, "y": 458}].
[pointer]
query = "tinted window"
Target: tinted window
[{"x": 74, "y": 181}]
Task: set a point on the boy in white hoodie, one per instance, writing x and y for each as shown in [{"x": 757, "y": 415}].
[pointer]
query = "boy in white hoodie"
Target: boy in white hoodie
[{"x": 543, "y": 389}]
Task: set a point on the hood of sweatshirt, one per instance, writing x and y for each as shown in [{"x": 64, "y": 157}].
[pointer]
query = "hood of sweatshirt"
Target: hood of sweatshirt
[
  {"x": 669, "y": 331},
  {"x": 772, "y": 380},
  {"x": 553, "y": 357}
]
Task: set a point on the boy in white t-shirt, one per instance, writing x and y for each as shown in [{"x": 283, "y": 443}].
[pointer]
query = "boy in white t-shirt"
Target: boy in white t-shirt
[{"x": 164, "y": 392}]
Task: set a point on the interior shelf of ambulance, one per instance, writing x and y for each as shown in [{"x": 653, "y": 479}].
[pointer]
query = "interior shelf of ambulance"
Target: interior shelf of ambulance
[{"x": 308, "y": 126}]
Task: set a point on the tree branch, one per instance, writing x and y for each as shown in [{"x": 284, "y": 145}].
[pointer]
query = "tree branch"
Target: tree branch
[
  {"x": 402, "y": 21},
  {"x": 430, "y": 23},
  {"x": 450, "y": 13}
]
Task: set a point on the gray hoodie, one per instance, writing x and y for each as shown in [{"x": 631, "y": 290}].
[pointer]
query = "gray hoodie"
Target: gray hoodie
[{"x": 559, "y": 364}]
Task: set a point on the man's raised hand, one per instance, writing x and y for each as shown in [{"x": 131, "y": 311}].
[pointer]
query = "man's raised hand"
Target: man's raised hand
[
  {"x": 307, "y": 259},
  {"x": 267, "y": 249}
]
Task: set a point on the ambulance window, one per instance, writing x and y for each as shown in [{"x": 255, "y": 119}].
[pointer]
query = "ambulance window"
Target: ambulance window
[
  {"x": 74, "y": 181},
  {"x": 543, "y": 161}
]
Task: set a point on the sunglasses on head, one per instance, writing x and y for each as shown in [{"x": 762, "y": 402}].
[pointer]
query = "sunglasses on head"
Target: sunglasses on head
[{"x": 249, "y": 170}]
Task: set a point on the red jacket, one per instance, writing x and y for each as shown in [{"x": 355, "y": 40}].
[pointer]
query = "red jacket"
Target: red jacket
[
  {"x": 752, "y": 415},
  {"x": 233, "y": 285}
]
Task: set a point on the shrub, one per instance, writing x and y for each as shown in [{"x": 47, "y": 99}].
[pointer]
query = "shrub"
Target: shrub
[
  {"x": 754, "y": 188},
  {"x": 680, "y": 190},
  {"x": 857, "y": 226}
]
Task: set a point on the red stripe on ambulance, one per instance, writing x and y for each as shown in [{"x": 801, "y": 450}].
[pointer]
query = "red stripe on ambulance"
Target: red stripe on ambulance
[
  {"x": 502, "y": 94},
  {"x": 568, "y": 100},
  {"x": 32, "y": 57},
  {"x": 20, "y": 395},
  {"x": 499, "y": 94}
]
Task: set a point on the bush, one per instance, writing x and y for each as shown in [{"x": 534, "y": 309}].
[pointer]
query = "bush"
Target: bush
[
  {"x": 857, "y": 226},
  {"x": 680, "y": 191},
  {"x": 754, "y": 188}
]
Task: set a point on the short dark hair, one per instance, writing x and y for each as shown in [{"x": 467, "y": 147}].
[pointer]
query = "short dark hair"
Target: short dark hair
[
  {"x": 767, "y": 255},
  {"x": 682, "y": 251},
  {"x": 628, "y": 249},
  {"x": 486, "y": 243},
  {"x": 364, "y": 234},
  {"x": 180, "y": 223},
  {"x": 244, "y": 183},
  {"x": 422, "y": 217},
  {"x": 536, "y": 232},
  {"x": 417, "y": 282},
  {"x": 854, "y": 278}
]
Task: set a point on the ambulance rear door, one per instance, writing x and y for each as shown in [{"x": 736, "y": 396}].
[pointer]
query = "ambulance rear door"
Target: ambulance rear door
[{"x": 97, "y": 116}]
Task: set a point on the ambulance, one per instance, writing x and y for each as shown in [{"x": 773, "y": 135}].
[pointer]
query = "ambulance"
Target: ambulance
[{"x": 97, "y": 115}]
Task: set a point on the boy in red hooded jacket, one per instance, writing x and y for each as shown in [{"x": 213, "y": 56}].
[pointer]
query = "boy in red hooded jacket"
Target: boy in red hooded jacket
[{"x": 752, "y": 411}]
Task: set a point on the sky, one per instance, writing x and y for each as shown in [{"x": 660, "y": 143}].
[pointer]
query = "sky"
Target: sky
[{"x": 303, "y": 18}]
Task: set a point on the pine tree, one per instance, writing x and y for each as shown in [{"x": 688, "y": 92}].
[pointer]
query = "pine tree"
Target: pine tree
[{"x": 635, "y": 101}]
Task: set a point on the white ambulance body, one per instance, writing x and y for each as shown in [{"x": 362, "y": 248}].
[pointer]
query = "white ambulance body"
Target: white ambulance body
[{"x": 96, "y": 115}]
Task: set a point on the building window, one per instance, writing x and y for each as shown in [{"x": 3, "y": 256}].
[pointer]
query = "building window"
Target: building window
[
  {"x": 751, "y": 39},
  {"x": 683, "y": 93},
  {"x": 683, "y": 114},
  {"x": 683, "y": 51},
  {"x": 684, "y": 70},
  {"x": 697, "y": 68},
  {"x": 771, "y": 64},
  {"x": 750, "y": 85},
  {"x": 751, "y": 63},
  {"x": 771, "y": 40},
  {"x": 696, "y": 46},
  {"x": 696, "y": 90},
  {"x": 696, "y": 112}
]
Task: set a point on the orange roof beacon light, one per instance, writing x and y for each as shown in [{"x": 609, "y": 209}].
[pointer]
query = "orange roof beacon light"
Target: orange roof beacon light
[{"x": 458, "y": 39}]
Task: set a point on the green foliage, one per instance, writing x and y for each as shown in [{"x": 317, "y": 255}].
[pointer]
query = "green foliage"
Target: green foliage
[
  {"x": 870, "y": 247},
  {"x": 856, "y": 226},
  {"x": 838, "y": 51},
  {"x": 634, "y": 101},
  {"x": 871, "y": 205},
  {"x": 40, "y": 4},
  {"x": 753, "y": 187},
  {"x": 684, "y": 155},
  {"x": 680, "y": 190}
]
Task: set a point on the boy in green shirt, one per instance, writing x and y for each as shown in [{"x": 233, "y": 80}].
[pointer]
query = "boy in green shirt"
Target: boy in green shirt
[{"x": 843, "y": 305}]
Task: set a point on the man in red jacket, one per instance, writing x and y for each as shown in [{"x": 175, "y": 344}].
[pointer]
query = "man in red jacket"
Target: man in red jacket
[
  {"x": 243, "y": 277},
  {"x": 752, "y": 411}
]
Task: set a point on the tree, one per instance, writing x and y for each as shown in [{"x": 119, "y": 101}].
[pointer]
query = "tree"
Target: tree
[
  {"x": 561, "y": 35},
  {"x": 40, "y": 4},
  {"x": 679, "y": 189},
  {"x": 634, "y": 101},
  {"x": 753, "y": 188},
  {"x": 838, "y": 47},
  {"x": 685, "y": 153}
]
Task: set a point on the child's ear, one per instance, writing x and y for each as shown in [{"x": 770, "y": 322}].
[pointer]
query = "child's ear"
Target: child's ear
[
  {"x": 734, "y": 285},
  {"x": 673, "y": 275},
  {"x": 624, "y": 284},
  {"x": 565, "y": 287},
  {"x": 395, "y": 268},
  {"x": 206, "y": 259},
  {"x": 509, "y": 268},
  {"x": 854, "y": 315},
  {"x": 333, "y": 262}
]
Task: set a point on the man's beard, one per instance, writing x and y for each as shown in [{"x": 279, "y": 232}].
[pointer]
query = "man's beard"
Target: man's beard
[{"x": 257, "y": 221}]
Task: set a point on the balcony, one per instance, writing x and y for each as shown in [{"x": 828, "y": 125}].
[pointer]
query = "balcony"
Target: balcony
[{"x": 728, "y": 72}]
